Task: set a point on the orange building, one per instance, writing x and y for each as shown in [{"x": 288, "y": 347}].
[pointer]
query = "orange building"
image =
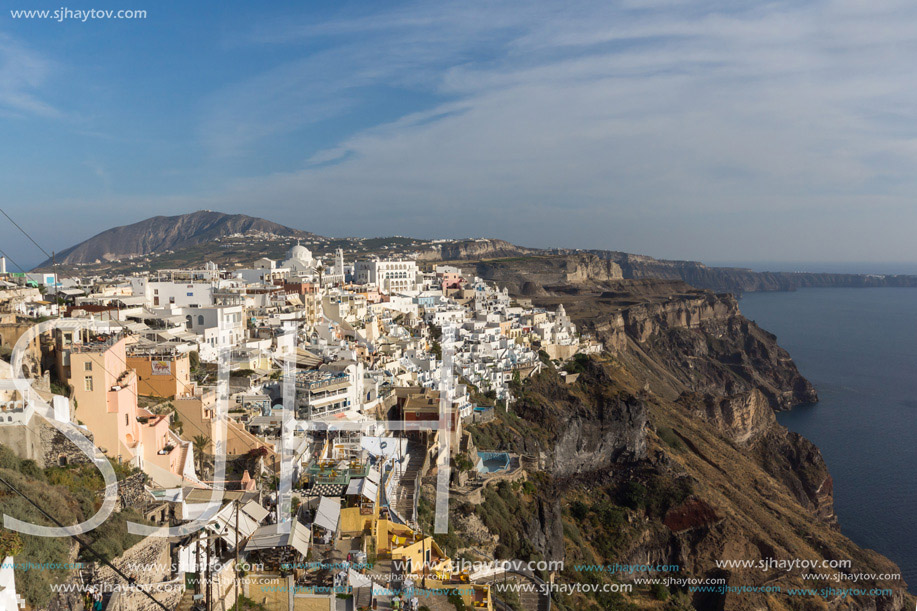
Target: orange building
[{"x": 161, "y": 372}]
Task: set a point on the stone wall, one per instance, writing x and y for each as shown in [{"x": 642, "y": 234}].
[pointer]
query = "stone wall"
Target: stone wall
[
  {"x": 42, "y": 442},
  {"x": 132, "y": 493},
  {"x": 149, "y": 564}
]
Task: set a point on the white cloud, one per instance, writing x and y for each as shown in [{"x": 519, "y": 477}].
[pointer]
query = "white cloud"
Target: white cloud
[
  {"x": 22, "y": 73},
  {"x": 676, "y": 129}
]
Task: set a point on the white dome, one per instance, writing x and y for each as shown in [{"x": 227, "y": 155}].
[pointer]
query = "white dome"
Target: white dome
[{"x": 300, "y": 252}]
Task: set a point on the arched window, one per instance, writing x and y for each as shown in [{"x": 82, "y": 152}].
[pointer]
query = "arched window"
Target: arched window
[{"x": 200, "y": 319}]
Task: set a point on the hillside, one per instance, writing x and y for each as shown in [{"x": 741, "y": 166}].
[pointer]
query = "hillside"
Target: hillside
[{"x": 161, "y": 234}]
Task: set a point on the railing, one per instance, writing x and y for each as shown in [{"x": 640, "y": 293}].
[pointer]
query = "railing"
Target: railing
[{"x": 93, "y": 346}]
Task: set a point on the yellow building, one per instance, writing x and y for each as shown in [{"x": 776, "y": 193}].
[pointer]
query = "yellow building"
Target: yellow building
[
  {"x": 418, "y": 553},
  {"x": 362, "y": 500}
]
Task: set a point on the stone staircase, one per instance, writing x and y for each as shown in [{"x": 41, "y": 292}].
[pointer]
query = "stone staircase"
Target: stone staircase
[
  {"x": 529, "y": 601},
  {"x": 407, "y": 491}
]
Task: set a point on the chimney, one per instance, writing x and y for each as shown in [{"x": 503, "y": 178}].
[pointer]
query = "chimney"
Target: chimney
[{"x": 2, "y": 265}]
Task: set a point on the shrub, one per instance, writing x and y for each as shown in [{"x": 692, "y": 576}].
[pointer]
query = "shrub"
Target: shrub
[
  {"x": 660, "y": 592},
  {"x": 578, "y": 510},
  {"x": 577, "y": 364},
  {"x": 456, "y": 601},
  {"x": 632, "y": 495},
  {"x": 670, "y": 438}
]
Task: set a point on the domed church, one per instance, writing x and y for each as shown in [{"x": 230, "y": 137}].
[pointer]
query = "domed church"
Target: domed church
[{"x": 299, "y": 260}]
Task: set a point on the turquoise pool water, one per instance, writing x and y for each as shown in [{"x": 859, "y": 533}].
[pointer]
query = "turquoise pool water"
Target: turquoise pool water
[{"x": 491, "y": 462}]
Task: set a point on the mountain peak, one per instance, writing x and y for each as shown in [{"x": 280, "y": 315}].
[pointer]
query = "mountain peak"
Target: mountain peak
[{"x": 162, "y": 233}]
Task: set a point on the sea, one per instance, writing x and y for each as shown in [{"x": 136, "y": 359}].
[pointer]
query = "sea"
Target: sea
[{"x": 859, "y": 348}]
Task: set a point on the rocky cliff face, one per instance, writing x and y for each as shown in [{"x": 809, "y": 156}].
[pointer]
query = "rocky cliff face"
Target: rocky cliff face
[
  {"x": 539, "y": 275},
  {"x": 741, "y": 418},
  {"x": 685, "y": 340},
  {"x": 486, "y": 261},
  {"x": 586, "y": 429},
  {"x": 666, "y": 451},
  {"x": 473, "y": 249},
  {"x": 740, "y": 280}
]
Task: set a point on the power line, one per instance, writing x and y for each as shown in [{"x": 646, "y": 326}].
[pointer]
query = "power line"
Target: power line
[
  {"x": 26, "y": 233},
  {"x": 11, "y": 261},
  {"x": 129, "y": 580}
]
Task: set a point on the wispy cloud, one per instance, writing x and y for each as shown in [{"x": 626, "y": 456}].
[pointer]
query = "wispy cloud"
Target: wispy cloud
[
  {"x": 22, "y": 73},
  {"x": 604, "y": 114},
  {"x": 685, "y": 129}
]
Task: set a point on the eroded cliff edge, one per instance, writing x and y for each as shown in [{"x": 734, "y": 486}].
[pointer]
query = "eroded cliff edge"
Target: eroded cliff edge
[
  {"x": 492, "y": 257},
  {"x": 666, "y": 450}
]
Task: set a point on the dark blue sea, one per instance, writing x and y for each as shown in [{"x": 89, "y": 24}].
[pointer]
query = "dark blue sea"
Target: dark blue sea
[{"x": 859, "y": 348}]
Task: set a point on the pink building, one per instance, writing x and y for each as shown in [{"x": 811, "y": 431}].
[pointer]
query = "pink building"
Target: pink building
[{"x": 104, "y": 393}]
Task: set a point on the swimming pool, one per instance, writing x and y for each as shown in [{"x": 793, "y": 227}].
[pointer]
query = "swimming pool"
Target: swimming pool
[{"x": 491, "y": 462}]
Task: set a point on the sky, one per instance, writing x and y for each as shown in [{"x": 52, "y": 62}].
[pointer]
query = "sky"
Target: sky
[{"x": 717, "y": 131}]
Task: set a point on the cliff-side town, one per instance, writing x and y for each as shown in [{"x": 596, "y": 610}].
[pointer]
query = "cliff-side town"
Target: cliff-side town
[{"x": 288, "y": 414}]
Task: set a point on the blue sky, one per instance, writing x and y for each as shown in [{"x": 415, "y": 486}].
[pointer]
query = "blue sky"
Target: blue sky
[{"x": 778, "y": 131}]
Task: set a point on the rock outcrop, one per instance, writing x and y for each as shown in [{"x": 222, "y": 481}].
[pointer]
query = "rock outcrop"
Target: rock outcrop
[
  {"x": 685, "y": 340},
  {"x": 473, "y": 249},
  {"x": 500, "y": 262},
  {"x": 741, "y": 418}
]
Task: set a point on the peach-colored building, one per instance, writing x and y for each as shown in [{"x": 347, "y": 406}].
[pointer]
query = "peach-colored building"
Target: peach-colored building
[
  {"x": 104, "y": 396},
  {"x": 197, "y": 411},
  {"x": 165, "y": 454}
]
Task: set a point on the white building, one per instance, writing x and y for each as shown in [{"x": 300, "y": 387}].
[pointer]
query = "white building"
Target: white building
[
  {"x": 220, "y": 327},
  {"x": 299, "y": 261},
  {"x": 157, "y": 293},
  {"x": 387, "y": 276}
]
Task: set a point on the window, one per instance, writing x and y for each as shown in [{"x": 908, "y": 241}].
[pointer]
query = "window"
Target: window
[
  {"x": 87, "y": 383},
  {"x": 126, "y": 420},
  {"x": 200, "y": 319},
  {"x": 87, "y": 366}
]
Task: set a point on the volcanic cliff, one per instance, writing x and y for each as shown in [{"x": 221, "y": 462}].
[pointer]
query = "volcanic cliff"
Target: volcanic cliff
[{"x": 665, "y": 450}]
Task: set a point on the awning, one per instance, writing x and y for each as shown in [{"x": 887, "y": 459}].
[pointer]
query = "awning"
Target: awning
[
  {"x": 328, "y": 514},
  {"x": 250, "y": 516},
  {"x": 364, "y": 487},
  {"x": 269, "y": 537},
  {"x": 370, "y": 490}
]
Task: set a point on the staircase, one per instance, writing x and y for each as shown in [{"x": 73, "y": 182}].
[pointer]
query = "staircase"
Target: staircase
[
  {"x": 529, "y": 601},
  {"x": 407, "y": 484}
]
